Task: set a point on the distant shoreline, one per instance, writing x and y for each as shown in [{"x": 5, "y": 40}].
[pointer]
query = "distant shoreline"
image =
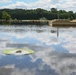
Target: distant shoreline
[
  {"x": 60, "y": 22},
  {"x": 31, "y": 22}
]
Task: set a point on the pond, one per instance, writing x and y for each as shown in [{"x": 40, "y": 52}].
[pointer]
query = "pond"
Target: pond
[{"x": 54, "y": 50}]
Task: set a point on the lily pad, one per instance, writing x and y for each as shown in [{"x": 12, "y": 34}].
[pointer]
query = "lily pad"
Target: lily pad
[{"x": 18, "y": 51}]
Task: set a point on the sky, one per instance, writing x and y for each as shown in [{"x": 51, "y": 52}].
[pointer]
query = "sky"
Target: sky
[{"x": 68, "y": 5}]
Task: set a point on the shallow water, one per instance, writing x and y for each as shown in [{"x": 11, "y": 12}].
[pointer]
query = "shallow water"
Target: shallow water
[{"x": 55, "y": 50}]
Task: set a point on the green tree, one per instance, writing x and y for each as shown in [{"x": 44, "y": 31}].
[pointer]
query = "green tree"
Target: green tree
[
  {"x": 5, "y": 16},
  {"x": 53, "y": 10},
  {"x": 36, "y": 14}
]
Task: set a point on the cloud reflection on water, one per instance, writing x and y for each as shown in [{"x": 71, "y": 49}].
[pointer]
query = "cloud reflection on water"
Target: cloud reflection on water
[{"x": 46, "y": 60}]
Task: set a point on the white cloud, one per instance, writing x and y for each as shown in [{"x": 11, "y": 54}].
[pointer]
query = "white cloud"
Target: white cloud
[
  {"x": 16, "y": 5},
  {"x": 45, "y": 37},
  {"x": 4, "y": 1},
  {"x": 45, "y": 4},
  {"x": 60, "y": 62},
  {"x": 70, "y": 39},
  {"x": 67, "y": 5},
  {"x": 12, "y": 70}
]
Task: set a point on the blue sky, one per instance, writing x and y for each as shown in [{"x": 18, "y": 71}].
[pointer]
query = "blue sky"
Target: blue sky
[{"x": 45, "y": 4}]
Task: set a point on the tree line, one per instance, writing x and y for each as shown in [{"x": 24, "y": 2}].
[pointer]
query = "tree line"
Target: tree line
[{"x": 36, "y": 14}]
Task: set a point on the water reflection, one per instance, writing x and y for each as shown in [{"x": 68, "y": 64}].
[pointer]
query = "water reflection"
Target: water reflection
[
  {"x": 55, "y": 53},
  {"x": 40, "y": 63}
]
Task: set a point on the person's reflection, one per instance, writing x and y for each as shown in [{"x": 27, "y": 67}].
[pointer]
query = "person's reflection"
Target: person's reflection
[
  {"x": 54, "y": 31},
  {"x": 57, "y": 32}
]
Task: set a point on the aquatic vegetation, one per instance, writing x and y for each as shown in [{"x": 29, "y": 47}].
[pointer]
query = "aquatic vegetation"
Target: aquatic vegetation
[{"x": 18, "y": 51}]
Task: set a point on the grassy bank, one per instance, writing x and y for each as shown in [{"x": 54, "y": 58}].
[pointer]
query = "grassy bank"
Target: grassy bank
[
  {"x": 25, "y": 22},
  {"x": 62, "y": 23}
]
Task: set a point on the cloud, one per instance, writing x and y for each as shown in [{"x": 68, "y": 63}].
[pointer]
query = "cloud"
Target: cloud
[
  {"x": 12, "y": 70},
  {"x": 66, "y": 5},
  {"x": 42, "y": 37},
  {"x": 61, "y": 63},
  {"x": 45, "y": 4},
  {"x": 71, "y": 46},
  {"x": 4, "y": 1},
  {"x": 16, "y": 5},
  {"x": 24, "y": 5},
  {"x": 45, "y": 37},
  {"x": 43, "y": 62},
  {"x": 70, "y": 40}
]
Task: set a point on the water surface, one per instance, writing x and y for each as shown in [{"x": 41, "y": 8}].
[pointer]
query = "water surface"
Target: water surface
[{"x": 55, "y": 50}]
